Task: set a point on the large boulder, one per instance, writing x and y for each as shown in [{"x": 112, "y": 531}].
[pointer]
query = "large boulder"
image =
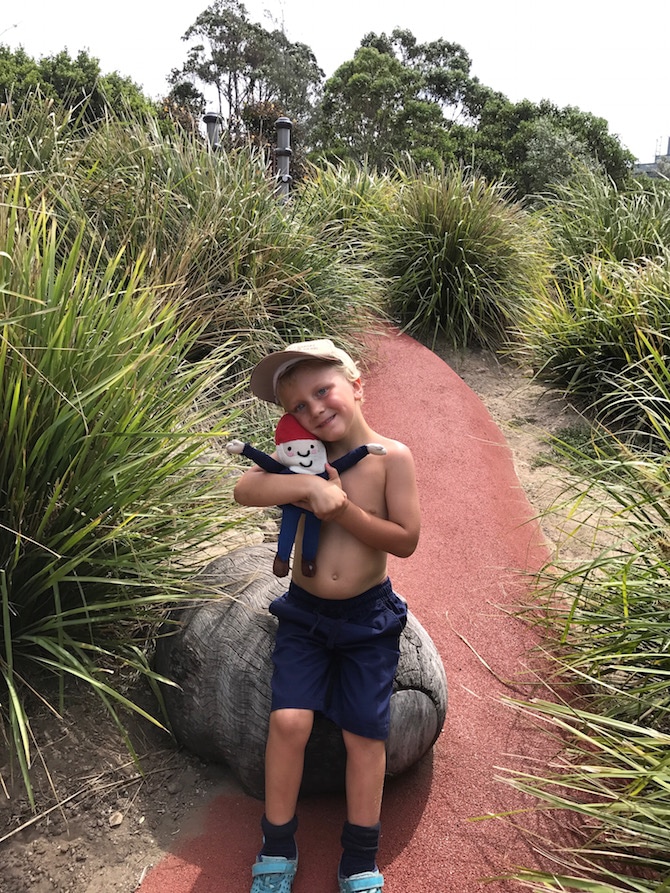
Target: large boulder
[{"x": 219, "y": 656}]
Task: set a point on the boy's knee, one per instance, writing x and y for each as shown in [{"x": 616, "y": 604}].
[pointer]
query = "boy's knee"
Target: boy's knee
[{"x": 292, "y": 723}]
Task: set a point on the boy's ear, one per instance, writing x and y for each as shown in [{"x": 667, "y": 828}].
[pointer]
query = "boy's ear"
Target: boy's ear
[{"x": 358, "y": 389}]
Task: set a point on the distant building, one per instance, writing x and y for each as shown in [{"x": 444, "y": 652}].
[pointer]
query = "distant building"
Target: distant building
[{"x": 652, "y": 169}]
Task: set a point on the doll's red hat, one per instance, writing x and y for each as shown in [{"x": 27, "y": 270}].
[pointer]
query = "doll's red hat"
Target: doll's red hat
[{"x": 289, "y": 428}]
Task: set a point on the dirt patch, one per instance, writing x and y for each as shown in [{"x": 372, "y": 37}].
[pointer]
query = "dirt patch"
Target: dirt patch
[{"x": 100, "y": 822}]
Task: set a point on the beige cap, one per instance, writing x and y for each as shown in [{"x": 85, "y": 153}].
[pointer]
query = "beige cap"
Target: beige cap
[{"x": 264, "y": 378}]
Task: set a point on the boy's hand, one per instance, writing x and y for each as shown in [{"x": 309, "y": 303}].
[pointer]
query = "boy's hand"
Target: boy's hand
[{"x": 328, "y": 500}]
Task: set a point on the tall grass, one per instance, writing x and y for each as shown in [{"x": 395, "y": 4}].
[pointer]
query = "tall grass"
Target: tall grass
[
  {"x": 590, "y": 217},
  {"x": 461, "y": 257},
  {"x": 109, "y": 484},
  {"x": 611, "y": 614},
  {"x": 213, "y": 239},
  {"x": 603, "y": 336},
  {"x": 141, "y": 276},
  {"x": 345, "y": 201}
]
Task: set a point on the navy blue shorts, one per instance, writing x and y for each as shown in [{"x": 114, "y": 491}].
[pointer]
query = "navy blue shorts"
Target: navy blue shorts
[{"x": 339, "y": 657}]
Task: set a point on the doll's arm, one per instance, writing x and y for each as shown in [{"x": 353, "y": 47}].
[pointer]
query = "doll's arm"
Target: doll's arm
[
  {"x": 353, "y": 456},
  {"x": 267, "y": 463}
]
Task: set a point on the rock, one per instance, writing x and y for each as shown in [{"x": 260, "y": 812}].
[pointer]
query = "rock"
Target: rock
[{"x": 219, "y": 656}]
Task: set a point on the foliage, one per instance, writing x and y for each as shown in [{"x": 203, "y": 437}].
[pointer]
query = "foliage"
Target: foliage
[
  {"x": 442, "y": 69},
  {"x": 603, "y": 338},
  {"x": 533, "y": 146},
  {"x": 345, "y": 201},
  {"x": 74, "y": 83},
  {"x": 248, "y": 66},
  {"x": 397, "y": 97},
  {"x": 554, "y": 156},
  {"x": 110, "y": 488},
  {"x": 215, "y": 240},
  {"x": 400, "y": 96},
  {"x": 599, "y": 331},
  {"x": 460, "y": 257},
  {"x": 141, "y": 276},
  {"x": 615, "y": 780},
  {"x": 593, "y": 217},
  {"x": 612, "y": 617}
]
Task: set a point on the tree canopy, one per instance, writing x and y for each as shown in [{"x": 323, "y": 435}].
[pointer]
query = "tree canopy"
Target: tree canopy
[
  {"x": 395, "y": 99},
  {"x": 249, "y": 66},
  {"x": 77, "y": 83},
  {"x": 399, "y": 97}
]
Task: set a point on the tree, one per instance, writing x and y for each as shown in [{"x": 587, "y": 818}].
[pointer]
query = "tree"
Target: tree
[
  {"x": 248, "y": 65},
  {"x": 553, "y": 156},
  {"x": 443, "y": 69},
  {"x": 399, "y": 96},
  {"x": 530, "y": 145},
  {"x": 77, "y": 83},
  {"x": 372, "y": 108}
]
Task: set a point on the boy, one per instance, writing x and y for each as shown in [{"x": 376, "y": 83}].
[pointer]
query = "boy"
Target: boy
[{"x": 337, "y": 642}]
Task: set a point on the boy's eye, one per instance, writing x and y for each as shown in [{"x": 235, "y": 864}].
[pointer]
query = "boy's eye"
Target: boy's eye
[
  {"x": 322, "y": 392},
  {"x": 299, "y": 407}
]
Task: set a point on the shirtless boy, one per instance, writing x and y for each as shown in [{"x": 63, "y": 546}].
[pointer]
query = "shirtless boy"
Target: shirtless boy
[{"x": 337, "y": 642}]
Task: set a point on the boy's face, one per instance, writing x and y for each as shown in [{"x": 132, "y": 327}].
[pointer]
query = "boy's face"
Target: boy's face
[{"x": 321, "y": 398}]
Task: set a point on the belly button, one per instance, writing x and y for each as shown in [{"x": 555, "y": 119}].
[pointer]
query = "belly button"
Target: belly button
[{"x": 335, "y": 576}]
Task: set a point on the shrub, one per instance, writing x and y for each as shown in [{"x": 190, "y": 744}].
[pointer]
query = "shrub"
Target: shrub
[
  {"x": 604, "y": 340},
  {"x": 109, "y": 485},
  {"x": 460, "y": 257}
]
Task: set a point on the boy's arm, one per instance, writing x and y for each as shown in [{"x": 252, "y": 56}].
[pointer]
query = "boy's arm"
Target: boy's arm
[
  {"x": 308, "y": 491},
  {"x": 397, "y": 534}
]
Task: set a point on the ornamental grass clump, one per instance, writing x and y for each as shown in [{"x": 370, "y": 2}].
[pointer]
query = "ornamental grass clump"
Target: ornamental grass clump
[
  {"x": 591, "y": 217},
  {"x": 604, "y": 340},
  {"x": 461, "y": 257},
  {"x": 211, "y": 236},
  {"x": 110, "y": 486},
  {"x": 611, "y": 616},
  {"x": 345, "y": 200}
]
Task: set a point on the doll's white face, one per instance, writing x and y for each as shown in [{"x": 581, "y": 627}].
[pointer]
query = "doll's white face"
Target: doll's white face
[{"x": 303, "y": 456}]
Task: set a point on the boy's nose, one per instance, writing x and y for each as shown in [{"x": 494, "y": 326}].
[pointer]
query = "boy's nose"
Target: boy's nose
[{"x": 315, "y": 409}]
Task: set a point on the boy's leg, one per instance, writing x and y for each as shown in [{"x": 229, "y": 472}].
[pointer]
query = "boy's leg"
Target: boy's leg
[
  {"x": 366, "y": 765},
  {"x": 276, "y": 865},
  {"x": 284, "y": 760}
]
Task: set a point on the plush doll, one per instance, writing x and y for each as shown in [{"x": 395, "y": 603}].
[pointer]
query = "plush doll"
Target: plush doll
[{"x": 298, "y": 452}]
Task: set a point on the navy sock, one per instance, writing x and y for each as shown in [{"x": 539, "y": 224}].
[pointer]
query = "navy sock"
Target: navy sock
[
  {"x": 360, "y": 845},
  {"x": 279, "y": 840}
]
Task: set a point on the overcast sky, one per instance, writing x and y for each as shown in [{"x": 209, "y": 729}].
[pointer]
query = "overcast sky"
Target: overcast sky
[{"x": 605, "y": 58}]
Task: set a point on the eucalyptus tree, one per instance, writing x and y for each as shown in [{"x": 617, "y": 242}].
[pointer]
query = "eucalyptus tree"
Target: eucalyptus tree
[
  {"x": 372, "y": 109},
  {"x": 536, "y": 145},
  {"x": 248, "y": 66},
  {"x": 75, "y": 82},
  {"x": 398, "y": 96}
]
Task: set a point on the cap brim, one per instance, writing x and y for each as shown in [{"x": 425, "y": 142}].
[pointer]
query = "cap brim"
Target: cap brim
[{"x": 262, "y": 378}]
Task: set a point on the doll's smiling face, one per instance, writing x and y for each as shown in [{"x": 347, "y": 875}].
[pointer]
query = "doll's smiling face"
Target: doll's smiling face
[{"x": 303, "y": 456}]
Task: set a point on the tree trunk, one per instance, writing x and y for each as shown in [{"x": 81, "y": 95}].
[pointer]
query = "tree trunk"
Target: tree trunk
[{"x": 220, "y": 657}]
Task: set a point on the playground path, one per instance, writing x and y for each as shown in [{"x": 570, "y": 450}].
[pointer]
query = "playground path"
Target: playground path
[{"x": 463, "y": 583}]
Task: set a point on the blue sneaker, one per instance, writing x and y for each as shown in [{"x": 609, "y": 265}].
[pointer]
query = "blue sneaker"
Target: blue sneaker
[
  {"x": 365, "y": 882},
  {"x": 273, "y": 874}
]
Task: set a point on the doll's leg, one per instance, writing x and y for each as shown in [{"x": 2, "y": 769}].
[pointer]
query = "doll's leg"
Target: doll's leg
[
  {"x": 310, "y": 543},
  {"x": 287, "y": 531}
]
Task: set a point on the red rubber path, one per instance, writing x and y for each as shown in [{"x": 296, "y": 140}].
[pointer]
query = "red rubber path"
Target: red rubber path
[{"x": 462, "y": 583}]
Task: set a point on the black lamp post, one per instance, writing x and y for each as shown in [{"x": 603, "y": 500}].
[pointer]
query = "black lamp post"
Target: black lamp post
[
  {"x": 214, "y": 123},
  {"x": 283, "y": 155}
]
